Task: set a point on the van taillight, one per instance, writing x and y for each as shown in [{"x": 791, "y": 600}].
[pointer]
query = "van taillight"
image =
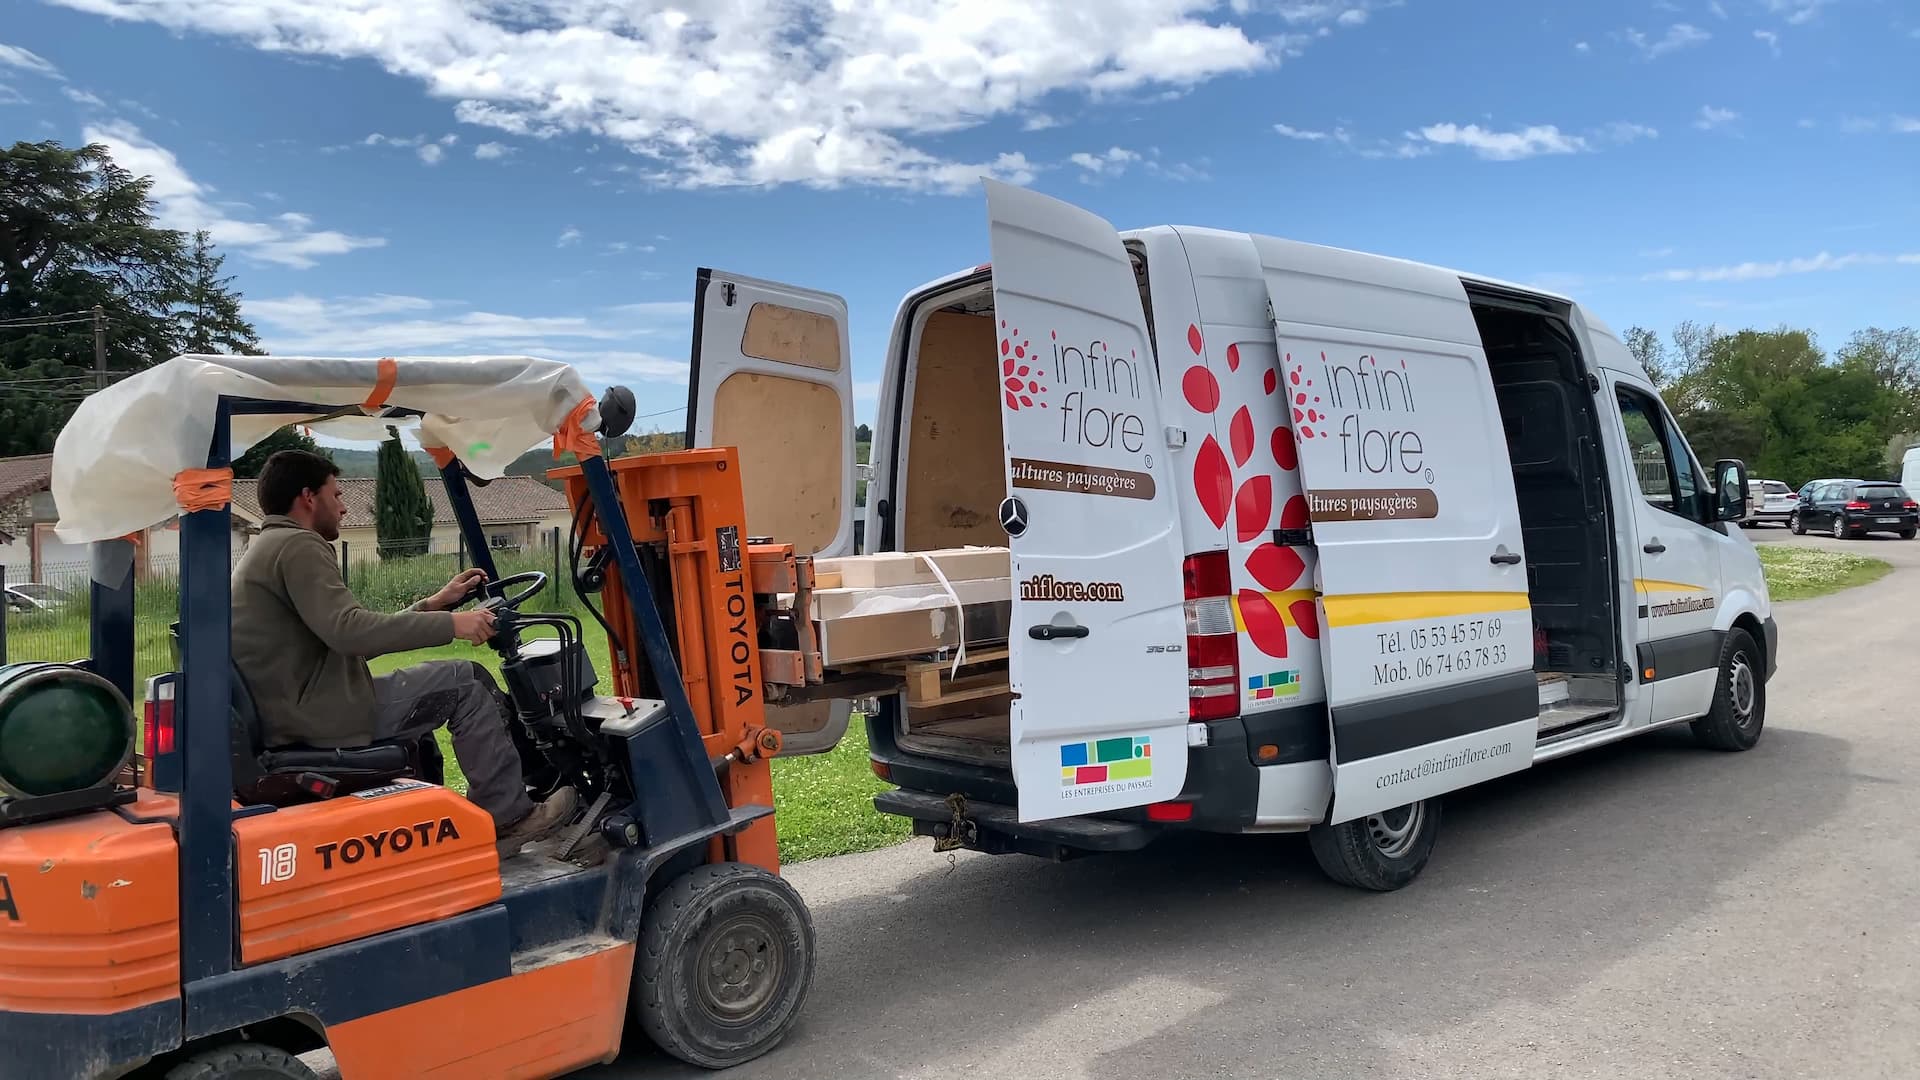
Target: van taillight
[
  {"x": 1213, "y": 647},
  {"x": 159, "y": 716}
]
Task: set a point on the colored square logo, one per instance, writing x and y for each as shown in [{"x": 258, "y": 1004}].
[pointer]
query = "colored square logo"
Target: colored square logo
[
  {"x": 1106, "y": 760},
  {"x": 1273, "y": 684}
]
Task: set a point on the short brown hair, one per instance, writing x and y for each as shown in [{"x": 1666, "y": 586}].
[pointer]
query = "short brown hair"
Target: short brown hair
[{"x": 290, "y": 473}]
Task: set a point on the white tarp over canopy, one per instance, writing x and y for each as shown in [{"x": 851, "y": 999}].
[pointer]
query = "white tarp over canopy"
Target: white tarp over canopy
[{"x": 114, "y": 462}]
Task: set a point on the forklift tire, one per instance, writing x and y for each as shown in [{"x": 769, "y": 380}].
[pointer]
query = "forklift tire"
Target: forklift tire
[
  {"x": 241, "y": 1061},
  {"x": 725, "y": 962},
  {"x": 1381, "y": 852}
]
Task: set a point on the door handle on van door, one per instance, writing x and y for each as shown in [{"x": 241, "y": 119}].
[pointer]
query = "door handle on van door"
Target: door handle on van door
[
  {"x": 1505, "y": 558},
  {"x": 1048, "y": 632},
  {"x": 1653, "y": 547}
]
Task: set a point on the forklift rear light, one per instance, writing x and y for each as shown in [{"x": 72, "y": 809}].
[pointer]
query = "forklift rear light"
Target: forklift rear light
[{"x": 159, "y": 717}]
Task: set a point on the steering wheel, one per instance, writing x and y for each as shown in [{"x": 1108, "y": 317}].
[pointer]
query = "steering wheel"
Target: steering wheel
[{"x": 495, "y": 592}]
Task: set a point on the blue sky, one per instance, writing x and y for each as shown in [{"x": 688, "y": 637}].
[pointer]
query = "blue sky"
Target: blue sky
[{"x": 544, "y": 176}]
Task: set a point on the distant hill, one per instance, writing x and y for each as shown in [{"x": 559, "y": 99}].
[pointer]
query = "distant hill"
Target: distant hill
[{"x": 364, "y": 463}]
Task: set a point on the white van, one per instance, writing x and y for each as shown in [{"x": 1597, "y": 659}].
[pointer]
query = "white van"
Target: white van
[{"x": 1324, "y": 535}]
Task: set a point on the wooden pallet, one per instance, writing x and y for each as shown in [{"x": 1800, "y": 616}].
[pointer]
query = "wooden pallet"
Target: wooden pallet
[{"x": 927, "y": 682}]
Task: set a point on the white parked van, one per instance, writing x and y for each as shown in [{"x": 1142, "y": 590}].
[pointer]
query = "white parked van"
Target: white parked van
[{"x": 1326, "y": 535}]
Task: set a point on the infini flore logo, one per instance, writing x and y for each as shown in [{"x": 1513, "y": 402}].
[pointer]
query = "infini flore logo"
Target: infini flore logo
[
  {"x": 1091, "y": 389},
  {"x": 1371, "y": 410}
]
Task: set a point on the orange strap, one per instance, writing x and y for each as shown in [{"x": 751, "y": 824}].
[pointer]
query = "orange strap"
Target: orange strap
[
  {"x": 383, "y": 386},
  {"x": 573, "y": 436},
  {"x": 441, "y": 455},
  {"x": 203, "y": 489}
]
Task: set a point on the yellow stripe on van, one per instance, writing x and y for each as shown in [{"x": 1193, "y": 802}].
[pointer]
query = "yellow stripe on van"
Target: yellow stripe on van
[
  {"x": 1363, "y": 608},
  {"x": 1279, "y": 600},
  {"x": 1645, "y": 585}
]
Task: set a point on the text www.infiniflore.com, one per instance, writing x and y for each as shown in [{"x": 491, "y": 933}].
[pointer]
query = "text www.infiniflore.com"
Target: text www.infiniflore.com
[{"x": 1445, "y": 763}]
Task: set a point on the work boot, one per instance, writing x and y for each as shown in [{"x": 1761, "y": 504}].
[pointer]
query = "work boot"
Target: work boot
[{"x": 546, "y": 819}]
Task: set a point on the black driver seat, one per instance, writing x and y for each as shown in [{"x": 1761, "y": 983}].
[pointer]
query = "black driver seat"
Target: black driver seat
[{"x": 288, "y": 775}]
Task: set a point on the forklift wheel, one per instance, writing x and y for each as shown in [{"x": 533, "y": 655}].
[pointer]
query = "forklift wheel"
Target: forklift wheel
[
  {"x": 241, "y": 1061},
  {"x": 725, "y": 961}
]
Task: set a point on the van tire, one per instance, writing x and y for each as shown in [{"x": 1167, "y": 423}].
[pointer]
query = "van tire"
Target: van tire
[
  {"x": 1739, "y": 712},
  {"x": 241, "y": 1061},
  {"x": 687, "y": 976},
  {"x": 1359, "y": 854}
]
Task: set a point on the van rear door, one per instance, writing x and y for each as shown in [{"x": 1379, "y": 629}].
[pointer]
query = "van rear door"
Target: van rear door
[
  {"x": 1427, "y": 636},
  {"x": 1096, "y": 645},
  {"x": 772, "y": 377}
]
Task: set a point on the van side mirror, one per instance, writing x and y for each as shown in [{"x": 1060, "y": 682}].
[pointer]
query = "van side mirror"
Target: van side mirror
[{"x": 1730, "y": 485}]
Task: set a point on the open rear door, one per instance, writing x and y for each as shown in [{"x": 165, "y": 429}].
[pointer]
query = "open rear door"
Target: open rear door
[
  {"x": 772, "y": 377},
  {"x": 1427, "y": 632},
  {"x": 1099, "y": 718}
]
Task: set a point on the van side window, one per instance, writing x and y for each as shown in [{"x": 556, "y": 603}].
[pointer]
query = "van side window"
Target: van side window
[
  {"x": 1652, "y": 467},
  {"x": 1664, "y": 467}
]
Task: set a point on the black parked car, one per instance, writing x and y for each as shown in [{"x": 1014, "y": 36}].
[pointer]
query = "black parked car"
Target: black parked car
[{"x": 1856, "y": 507}]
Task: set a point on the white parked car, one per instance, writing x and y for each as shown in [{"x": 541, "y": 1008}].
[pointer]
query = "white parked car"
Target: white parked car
[{"x": 1769, "y": 500}]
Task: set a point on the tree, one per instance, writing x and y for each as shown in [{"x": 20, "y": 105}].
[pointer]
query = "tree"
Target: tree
[
  {"x": 862, "y": 433},
  {"x": 207, "y": 318},
  {"x": 291, "y": 437},
  {"x": 402, "y": 514},
  {"x": 1645, "y": 346},
  {"x": 76, "y": 231},
  {"x": 1893, "y": 358}
]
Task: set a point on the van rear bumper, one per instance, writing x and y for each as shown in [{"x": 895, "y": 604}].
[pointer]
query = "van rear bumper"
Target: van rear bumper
[{"x": 998, "y": 830}]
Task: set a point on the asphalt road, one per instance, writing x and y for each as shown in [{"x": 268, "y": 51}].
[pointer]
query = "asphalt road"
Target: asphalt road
[{"x": 1645, "y": 910}]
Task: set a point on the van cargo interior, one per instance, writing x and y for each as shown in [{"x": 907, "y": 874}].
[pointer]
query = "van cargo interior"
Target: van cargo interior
[{"x": 1552, "y": 436}]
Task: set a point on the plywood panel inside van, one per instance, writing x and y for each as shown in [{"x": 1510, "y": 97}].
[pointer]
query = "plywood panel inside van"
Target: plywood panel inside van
[
  {"x": 956, "y": 472},
  {"x": 791, "y": 440}
]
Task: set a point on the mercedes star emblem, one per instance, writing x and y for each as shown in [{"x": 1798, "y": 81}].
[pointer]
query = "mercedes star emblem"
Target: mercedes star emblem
[{"x": 1013, "y": 516}]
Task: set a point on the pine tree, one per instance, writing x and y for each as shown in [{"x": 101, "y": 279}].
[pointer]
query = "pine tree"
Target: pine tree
[
  {"x": 402, "y": 513},
  {"x": 207, "y": 318}
]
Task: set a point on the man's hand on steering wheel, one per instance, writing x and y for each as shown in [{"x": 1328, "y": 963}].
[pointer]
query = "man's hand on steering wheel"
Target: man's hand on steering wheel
[{"x": 457, "y": 590}]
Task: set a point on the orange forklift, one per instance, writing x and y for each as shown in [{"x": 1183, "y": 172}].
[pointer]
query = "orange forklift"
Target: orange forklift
[{"x": 211, "y": 908}]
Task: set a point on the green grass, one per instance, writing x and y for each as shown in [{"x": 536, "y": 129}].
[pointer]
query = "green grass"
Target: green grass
[
  {"x": 1801, "y": 573},
  {"x": 823, "y": 803}
]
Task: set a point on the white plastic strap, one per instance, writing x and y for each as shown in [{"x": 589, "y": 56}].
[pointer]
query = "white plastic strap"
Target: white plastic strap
[{"x": 959, "y": 614}]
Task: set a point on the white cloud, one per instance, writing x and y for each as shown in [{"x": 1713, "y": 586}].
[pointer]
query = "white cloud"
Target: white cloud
[
  {"x": 14, "y": 56},
  {"x": 1503, "y": 145},
  {"x": 1770, "y": 39},
  {"x": 1797, "y": 12},
  {"x": 184, "y": 203},
  {"x": 1678, "y": 36},
  {"x": 491, "y": 151},
  {"x": 1582, "y": 47},
  {"x": 1039, "y": 122},
  {"x": 768, "y": 92},
  {"x": 1904, "y": 125},
  {"x": 1112, "y": 163},
  {"x": 431, "y": 153},
  {"x": 83, "y": 97},
  {"x": 568, "y": 237},
  {"x": 1711, "y": 117},
  {"x": 1762, "y": 271},
  {"x": 1714, "y": 7},
  {"x": 1302, "y": 134},
  {"x": 1865, "y": 125},
  {"x": 1623, "y": 132}
]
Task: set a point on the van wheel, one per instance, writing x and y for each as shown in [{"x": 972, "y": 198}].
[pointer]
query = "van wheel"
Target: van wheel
[
  {"x": 1382, "y": 852},
  {"x": 1793, "y": 522},
  {"x": 241, "y": 1061},
  {"x": 725, "y": 962},
  {"x": 1739, "y": 700}
]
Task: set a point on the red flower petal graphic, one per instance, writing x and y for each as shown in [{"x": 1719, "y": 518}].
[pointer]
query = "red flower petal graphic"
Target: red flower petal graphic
[
  {"x": 1285, "y": 453},
  {"x": 1012, "y": 402},
  {"x": 1299, "y": 416},
  {"x": 1193, "y": 339},
  {"x": 1305, "y": 616},
  {"x": 1299, "y": 399},
  {"x": 1307, "y": 431},
  {"x": 1240, "y": 436},
  {"x": 1294, "y": 376},
  {"x": 1253, "y": 507},
  {"x": 1271, "y": 380},
  {"x": 1264, "y": 624},
  {"x": 1005, "y": 346},
  {"x": 1274, "y": 567},
  {"x": 1201, "y": 388},
  {"x": 1212, "y": 481},
  {"x": 1233, "y": 358},
  {"x": 1294, "y": 514}
]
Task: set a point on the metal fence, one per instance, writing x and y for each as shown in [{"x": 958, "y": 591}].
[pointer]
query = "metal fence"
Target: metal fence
[{"x": 47, "y": 614}]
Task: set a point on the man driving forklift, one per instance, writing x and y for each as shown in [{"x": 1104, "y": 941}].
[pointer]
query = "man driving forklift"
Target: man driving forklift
[{"x": 302, "y": 640}]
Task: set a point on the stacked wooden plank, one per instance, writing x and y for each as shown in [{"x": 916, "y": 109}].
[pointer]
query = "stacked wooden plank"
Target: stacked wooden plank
[{"x": 893, "y": 605}]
